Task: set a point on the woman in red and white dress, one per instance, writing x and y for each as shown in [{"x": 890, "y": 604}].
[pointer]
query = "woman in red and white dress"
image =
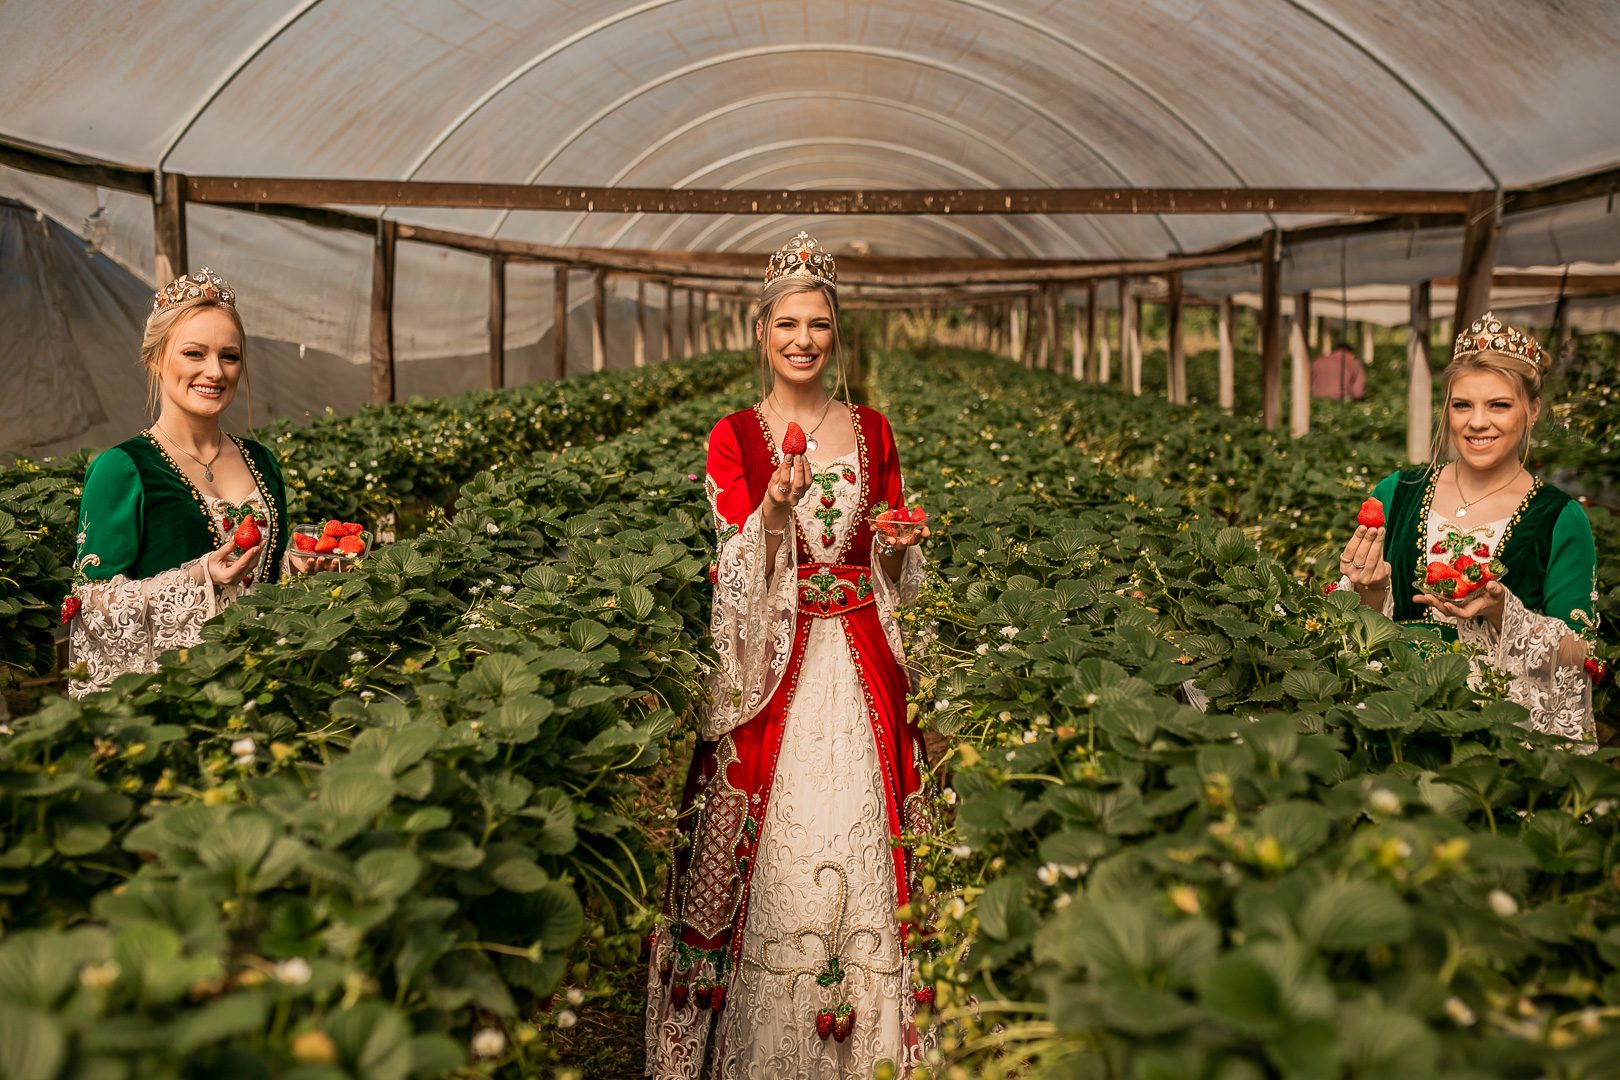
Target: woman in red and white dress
[{"x": 779, "y": 953}]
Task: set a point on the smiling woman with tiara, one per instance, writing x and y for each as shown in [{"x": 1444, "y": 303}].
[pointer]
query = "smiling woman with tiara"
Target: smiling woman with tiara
[
  {"x": 176, "y": 522},
  {"x": 779, "y": 953},
  {"x": 1478, "y": 546}
]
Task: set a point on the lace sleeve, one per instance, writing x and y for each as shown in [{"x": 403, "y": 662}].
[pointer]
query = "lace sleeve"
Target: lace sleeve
[
  {"x": 752, "y": 623},
  {"x": 125, "y": 624},
  {"x": 1545, "y": 660}
]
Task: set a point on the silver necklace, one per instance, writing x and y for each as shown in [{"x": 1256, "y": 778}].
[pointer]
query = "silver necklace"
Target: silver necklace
[
  {"x": 207, "y": 466},
  {"x": 1462, "y": 511},
  {"x": 809, "y": 436}
]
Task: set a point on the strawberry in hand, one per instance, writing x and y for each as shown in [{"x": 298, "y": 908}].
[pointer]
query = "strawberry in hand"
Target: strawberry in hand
[
  {"x": 1371, "y": 514},
  {"x": 247, "y": 535},
  {"x": 793, "y": 440}
]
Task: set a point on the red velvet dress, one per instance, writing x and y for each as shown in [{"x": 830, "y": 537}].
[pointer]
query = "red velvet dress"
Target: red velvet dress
[{"x": 778, "y": 917}]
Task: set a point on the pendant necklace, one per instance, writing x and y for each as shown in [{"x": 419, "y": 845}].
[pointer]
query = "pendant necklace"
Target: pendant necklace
[
  {"x": 207, "y": 466},
  {"x": 809, "y": 436},
  {"x": 1462, "y": 511}
]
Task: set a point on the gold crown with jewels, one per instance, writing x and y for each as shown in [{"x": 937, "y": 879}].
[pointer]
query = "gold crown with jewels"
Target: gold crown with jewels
[
  {"x": 202, "y": 285},
  {"x": 1490, "y": 334},
  {"x": 803, "y": 257}
]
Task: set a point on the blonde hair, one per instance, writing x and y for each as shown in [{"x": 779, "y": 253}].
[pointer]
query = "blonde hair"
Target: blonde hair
[
  {"x": 160, "y": 328},
  {"x": 772, "y": 295},
  {"x": 1523, "y": 376}
]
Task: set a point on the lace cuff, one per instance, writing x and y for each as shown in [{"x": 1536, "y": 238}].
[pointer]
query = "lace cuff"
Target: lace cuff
[
  {"x": 893, "y": 595},
  {"x": 125, "y": 624},
  {"x": 1544, "y": 659},
  {"x": 755, "y": 605}
]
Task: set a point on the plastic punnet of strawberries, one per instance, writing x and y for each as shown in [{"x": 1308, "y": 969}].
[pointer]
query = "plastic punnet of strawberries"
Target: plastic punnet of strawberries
[
  {"x": 335, "y": 539},
  {"x": 1459, "y": 563},
  {"x": 898, "y": 522}
]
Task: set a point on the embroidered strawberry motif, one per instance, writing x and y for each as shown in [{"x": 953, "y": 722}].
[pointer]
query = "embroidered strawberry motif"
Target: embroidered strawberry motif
[
  {"x": 824, "y": 1024},
  {"x": 923, "y": 995},
  {"x": 665, "y": 970},
  {"x": 828, "y": 539},
  {"x": 849, "y": 475},
  {"x": 843, "y": 1022},
  {"x": 1482, "y": 551},
  {"x": 702, "y": 994},
  {"x": 828, "y": 500},
  {"x": 717, "y": 997},
  {"x": 1371, "y": 514},
  {"x": 247, "y": 534},
  {"x": 793, "y": 440},
  {"x": 677, "y": 995},
  {"x": 1439, "y": 547},
  {"x": 71, "y": 606},
  {"x": 1595, "y": 669}
]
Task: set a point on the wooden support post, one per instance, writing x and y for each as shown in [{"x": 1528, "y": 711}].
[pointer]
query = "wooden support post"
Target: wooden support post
[
  {"x": 382, "y": 313},
  {"x": 1015, "y": 333},
  {"x": 1225, "y": 372},
  {"x": 1271, "y": 343},
  {"x": 1130, "y": 345},
  {"x": 1077, "y": 345},
  {"x": 1176, "y": 346},
  {"x": 638, "y": 356},
  {"x": 1105, "y": 361},
  {"x": 1123, "y": 285},
  {"x": 669, "y": 320},
  {"x": 703, "y": 323},
  {"x": 1053, "y": 352},
  {"x": 1419, "y": 380},
  {"x": 1091, "y": 332},
  {"x": 1299, "y": 375},
  {"x": 559, "y": 323},
  {"x": 599, "y": 321},
  {"x": 690, "y": 348},
  {"x": 1368, "y": 351},
  {"x": 1478, "y": 259},
  {"x": 497, "y": 321},
  {"x": 169, "y": 230}
]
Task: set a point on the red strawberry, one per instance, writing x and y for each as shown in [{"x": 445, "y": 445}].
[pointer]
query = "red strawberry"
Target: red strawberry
[
  {"x": 917, "y": 514},
  {"x": 1595, "y": 669},
  {"x": 1371, "y": 514},
  {"x": 1438, "y": 572},
  {"x": 702, "y": 994},
  {"x": 325, "y": 545},
  {"x": 793, "y": 440},
  {"x": 717, "y": 998},
  {"x": 333, "y": 527},
  {"x": 303, "y": 542},
  {"x": 1462, "y": 587},
  {"x": 648, "y": 943},
  {"x": 1330, "y": 587},
  {"x": 677, "y": 995},
  {"x": 353, "y": 528},
  {"x": 247, "y": 534},
  {"x": 843, "y": 1022},
  {"x": 352, "y": 545},
  {"x": 888, "y": 521},
  {"x": 924, "y": 995},
  {"x": 824, "y": 1024},
  {"x": 71, "y": 605}
]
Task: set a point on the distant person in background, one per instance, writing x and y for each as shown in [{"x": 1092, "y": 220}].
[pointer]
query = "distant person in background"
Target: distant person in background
[
  {"x": 1475, "y": 503},
  {"x": 1338, "y": 375},
  {"x": 161, "y": 514}
]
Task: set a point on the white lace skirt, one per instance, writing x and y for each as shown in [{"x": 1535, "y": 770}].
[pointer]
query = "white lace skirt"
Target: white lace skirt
[{"x": 824, "y": 881}]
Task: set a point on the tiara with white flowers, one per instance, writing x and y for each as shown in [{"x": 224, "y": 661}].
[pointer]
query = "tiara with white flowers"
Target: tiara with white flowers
[
  {"x": 202, "y": 285},
  {"x": 803, "y": 257},
  {"x": 1490, "y": 334}
]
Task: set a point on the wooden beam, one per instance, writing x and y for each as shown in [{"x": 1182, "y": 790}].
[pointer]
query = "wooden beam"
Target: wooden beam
[
  {"x": 1225, "y": 372},
  {"x": 1480, "y": 232},
  {"x": 1299, "y": 375},
  {"x": 383, "y": 386},
  {"x": 669, "y": 320},
  {"x": 638, "y": 356},
  {"x": 599, "y": 321},
  {"x": 1176, "y": 346},
  {"x": 497, "y": 321},
  {"x": 1599, "y": 184},
  {"x": 559, "y": 323},
  {"x": 31, "y": 157},
  {"x": 1419, "y": 380},
  {"x": 169, "y": 230},
  {"x": 631, "y": 200},
  {"x": 1270, "y": 331}
]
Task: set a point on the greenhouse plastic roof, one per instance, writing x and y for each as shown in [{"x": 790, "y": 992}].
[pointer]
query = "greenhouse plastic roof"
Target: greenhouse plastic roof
[{"x": 935, "y": 93}]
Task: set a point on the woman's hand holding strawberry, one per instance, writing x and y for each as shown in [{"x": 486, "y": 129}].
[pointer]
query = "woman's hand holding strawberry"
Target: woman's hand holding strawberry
[
  {"x": 1363, "y": 561},
  {"x": 1485, "y": 601}
]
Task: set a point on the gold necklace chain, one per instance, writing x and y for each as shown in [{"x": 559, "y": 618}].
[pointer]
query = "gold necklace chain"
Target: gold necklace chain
[
  {"x": 207, "y": 466},
  {"x": 1462, "y": 511},
  {"x": 811, "y": 433}
]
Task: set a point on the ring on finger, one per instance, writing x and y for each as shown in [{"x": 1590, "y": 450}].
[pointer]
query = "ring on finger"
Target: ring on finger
[{"x": 1359, "y": 566}]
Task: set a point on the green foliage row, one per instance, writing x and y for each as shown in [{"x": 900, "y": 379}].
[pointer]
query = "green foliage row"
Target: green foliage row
[
  {"x": 374, "y": 820},
  {"x": 368, "y": 466},
  {"x": 1355, "y": 864}
]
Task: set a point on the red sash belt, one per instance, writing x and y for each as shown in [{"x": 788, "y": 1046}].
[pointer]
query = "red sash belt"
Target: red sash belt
[{"x": 828, "y": 590}]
